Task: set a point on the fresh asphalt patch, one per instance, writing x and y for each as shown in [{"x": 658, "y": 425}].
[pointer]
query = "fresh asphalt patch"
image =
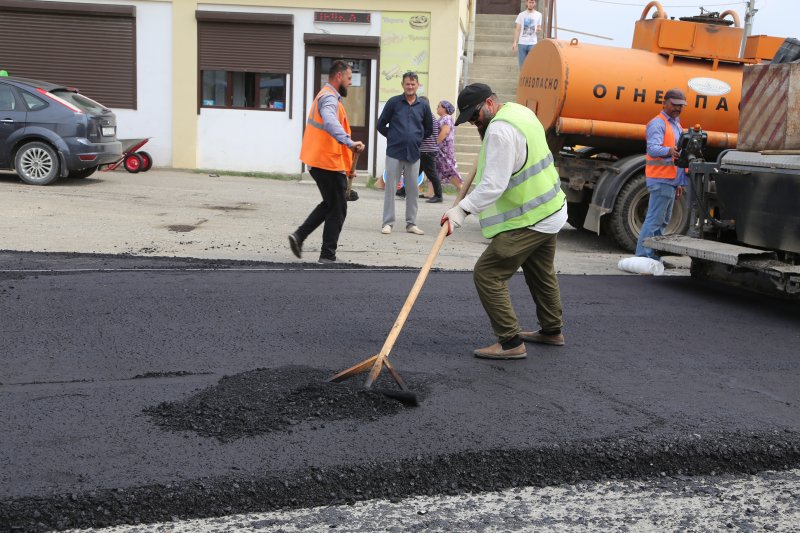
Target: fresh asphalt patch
[
  {"x": 135, "y": 391},
  {"x": 274, "y": 399}
]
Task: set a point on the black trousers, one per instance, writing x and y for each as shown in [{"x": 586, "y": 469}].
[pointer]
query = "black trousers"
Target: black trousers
[
  {"x": 427, "y": 163},
  {"x": 332, "y": 210}
]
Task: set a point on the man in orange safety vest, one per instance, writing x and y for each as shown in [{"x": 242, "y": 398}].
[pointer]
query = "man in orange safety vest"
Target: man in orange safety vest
[
  {"x": 327, "y": 150},
  {"x": 665, "y": 181}
]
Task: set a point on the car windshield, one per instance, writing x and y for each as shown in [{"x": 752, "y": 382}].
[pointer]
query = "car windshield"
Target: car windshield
[{"x": 87, "y": 105}]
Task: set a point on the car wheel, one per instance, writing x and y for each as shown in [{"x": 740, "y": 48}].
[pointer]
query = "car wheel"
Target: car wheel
[
  {"x": 36, "y": 163},
  {"x": 625, "y": 222},
  {"x": 147, "y": 161},
  {"x": 133, "y": 163},
  {"x": 83, "y": 173}
]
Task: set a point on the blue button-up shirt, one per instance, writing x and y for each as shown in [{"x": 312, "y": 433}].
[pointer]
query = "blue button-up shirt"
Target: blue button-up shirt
[
  {"x": 656, "y": 148},
  {"x": 405, "y": 126}
]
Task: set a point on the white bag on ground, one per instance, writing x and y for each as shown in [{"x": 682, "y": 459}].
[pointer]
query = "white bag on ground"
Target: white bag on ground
[{"x": 641, "y": 265}]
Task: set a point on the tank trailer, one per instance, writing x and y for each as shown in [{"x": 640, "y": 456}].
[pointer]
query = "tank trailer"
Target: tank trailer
[{"x": 595, "y": 102}]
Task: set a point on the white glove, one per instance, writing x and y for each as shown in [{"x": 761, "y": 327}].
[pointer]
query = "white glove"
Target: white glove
[{"x": 455, "y": 217}]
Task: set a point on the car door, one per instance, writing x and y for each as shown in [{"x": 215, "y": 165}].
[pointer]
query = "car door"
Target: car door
[{"x": 12, "y": 118}]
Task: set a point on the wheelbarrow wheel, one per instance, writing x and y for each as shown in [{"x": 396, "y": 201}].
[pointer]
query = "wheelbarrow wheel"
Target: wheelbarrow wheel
[
  {"x": 147, "y": 161},
  {"x": 133, "y": 163}
]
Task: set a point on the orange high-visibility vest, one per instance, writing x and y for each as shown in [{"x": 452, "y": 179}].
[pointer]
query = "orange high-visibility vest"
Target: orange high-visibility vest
[
  {"x": 662, "y": 167},
  {"x": 320, "y": 149}
]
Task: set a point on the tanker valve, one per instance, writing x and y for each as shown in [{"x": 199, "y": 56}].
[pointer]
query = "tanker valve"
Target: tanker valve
[{"x": 691, "y": 145}]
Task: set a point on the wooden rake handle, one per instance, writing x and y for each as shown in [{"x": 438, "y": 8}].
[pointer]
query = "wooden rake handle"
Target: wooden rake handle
[
  {"x": 380, "y": 359},
  {"x": 351, "y": 174}
]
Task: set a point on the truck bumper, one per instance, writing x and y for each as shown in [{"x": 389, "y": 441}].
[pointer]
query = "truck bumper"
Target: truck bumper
[{"x": 751, "y": 268}]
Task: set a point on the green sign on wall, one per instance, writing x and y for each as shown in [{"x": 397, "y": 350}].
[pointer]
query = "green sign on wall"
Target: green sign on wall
[{"x": 405, "y": 46}]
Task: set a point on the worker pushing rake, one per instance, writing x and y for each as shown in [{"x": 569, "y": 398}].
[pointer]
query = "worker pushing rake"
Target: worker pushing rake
[{"x": 521, "y": 208}]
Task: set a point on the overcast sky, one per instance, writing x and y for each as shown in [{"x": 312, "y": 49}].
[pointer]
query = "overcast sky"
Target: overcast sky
[{"x": 615, "y": 18}]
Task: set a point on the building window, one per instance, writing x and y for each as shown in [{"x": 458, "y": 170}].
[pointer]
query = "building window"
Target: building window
[
  {"x": 245, "y": 60},
  {"x": 244, "y": 90},
  {"x": 88, "y": 46}
]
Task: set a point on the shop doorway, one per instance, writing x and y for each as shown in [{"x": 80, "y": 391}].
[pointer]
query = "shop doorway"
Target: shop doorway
[{"x": 357, "y": 101}]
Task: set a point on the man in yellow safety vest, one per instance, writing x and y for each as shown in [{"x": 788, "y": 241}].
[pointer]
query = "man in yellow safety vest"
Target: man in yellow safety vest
[{"x": 521, "y": 208}]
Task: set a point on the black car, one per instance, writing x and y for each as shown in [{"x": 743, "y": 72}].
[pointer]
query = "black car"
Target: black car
[{"x": 49, "y": 131}]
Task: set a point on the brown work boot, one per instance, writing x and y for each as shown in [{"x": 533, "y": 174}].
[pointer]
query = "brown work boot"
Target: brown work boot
[
  {"x": 536, "y": 336},
  {"x": 496, "y": 351}
]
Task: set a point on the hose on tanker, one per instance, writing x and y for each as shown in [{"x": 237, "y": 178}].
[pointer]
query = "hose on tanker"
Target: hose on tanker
[{"x": 660, "y": 13}]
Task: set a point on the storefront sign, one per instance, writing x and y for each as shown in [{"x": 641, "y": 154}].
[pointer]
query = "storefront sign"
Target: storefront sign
[
  {"x": 405, "y": 45},
  {"x": 342, "y": 16}
]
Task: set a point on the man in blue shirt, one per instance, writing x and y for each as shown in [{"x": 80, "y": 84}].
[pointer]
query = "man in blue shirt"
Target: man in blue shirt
[
  {"x": 405, "y": 122},
  {"x": 665, "y": 181}
]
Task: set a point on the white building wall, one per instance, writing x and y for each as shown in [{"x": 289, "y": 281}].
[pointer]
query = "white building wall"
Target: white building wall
[
  {"x": 153, "y": 116},
  {"x": 268, "y": 141}
]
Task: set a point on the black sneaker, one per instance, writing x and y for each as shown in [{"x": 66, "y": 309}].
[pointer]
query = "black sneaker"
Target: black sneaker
[
  {"x": 296, "y": 245},
  {"x": 434, "y": 200},
  {"x": 326, "y": 260}
]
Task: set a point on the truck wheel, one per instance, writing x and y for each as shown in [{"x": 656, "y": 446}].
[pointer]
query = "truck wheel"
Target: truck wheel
[
  {"x": 625, "y": 222},
  {"x": 36, "y": 163},
  {"x": 576, "y": 214}
]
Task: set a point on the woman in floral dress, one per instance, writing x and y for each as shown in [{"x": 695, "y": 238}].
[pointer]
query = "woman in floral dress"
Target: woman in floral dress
[{"x": 446, "y": 165}]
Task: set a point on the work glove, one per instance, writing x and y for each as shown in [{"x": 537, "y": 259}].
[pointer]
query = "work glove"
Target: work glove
[{"x": 454, "y": 218}]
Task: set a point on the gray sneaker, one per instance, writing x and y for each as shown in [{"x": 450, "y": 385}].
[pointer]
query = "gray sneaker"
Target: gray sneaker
[{"x": 411, "y": 228}]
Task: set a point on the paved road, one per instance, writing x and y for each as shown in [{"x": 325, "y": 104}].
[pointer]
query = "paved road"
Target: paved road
[
  {"x": 769, "y": 501},
  {"x": 138, "y": 388},
  {"x": 711, "y": 386}
]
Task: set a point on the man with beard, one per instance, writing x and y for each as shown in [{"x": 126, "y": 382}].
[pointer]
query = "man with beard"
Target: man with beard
[
  {"x": 327, "y": 151},
  {"x": 521, "y": 208}
]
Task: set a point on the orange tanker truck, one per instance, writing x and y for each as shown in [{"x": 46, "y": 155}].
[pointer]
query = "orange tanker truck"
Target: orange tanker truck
[{"x": 595, "y": 102}]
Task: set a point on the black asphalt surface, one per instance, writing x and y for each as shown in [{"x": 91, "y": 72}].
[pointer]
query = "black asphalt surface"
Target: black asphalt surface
[{"x": 104, "y": 361}]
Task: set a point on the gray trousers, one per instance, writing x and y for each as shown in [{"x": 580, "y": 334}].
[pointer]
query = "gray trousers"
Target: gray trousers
[{"x": 410, "y": 171}]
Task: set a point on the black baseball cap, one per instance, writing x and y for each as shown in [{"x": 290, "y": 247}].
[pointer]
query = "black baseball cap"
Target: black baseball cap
[
  {"x": 470, "y": 98},
  {"x": 675, "y": 97}
]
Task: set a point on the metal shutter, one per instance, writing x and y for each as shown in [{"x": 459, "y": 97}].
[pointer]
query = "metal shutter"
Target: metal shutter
[
  {"x": 245, "y": 42},
  {"x": 342, "y": 46},
  {"x": 88, "y": 46}
]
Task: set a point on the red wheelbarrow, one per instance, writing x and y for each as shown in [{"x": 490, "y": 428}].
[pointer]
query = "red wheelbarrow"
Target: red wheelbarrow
[{"x": 133, "y": 159}]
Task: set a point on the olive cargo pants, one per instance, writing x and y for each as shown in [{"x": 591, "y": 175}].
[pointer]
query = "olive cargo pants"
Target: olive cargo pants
[{"x": 535, "y": 253}]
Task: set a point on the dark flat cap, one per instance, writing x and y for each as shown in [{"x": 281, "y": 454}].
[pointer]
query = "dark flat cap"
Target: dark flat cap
[{"x": 675, "y": 97}]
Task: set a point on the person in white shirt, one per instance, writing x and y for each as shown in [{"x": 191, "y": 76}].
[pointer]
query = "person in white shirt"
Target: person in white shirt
[
  {"x": 529, "y": 23},
  {"x": 521, "y": 208}
]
